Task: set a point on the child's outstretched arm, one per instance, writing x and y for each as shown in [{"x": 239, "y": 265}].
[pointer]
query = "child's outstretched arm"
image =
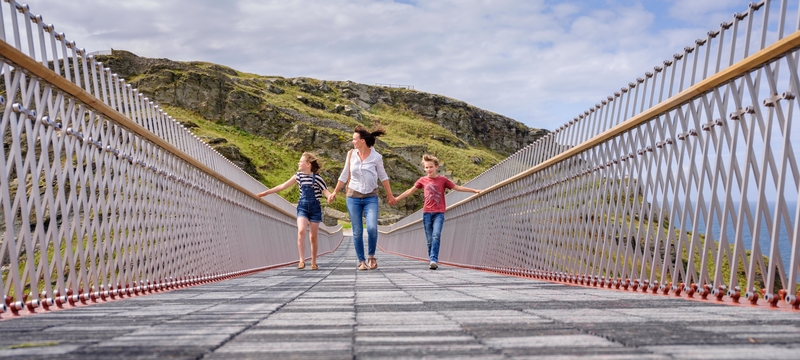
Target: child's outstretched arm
[
  {"x": 406, "y": 194},
  {"x": 280, "y": 187},
  {"x": 466, "y": 189}
]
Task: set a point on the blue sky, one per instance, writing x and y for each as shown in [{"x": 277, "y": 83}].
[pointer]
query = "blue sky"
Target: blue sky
[{"x": 539, "y": 62}]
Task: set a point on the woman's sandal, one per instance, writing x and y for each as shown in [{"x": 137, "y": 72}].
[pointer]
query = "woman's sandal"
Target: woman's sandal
[
  {"x": 373, "y": 264},
  {"x": 314, "y": 267},
  {"x": 362, "y": 266},
  {"x": 301, "y": 265}
]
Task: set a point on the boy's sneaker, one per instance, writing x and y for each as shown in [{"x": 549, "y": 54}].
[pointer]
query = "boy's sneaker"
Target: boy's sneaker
[{"x": 434, "y": 266}]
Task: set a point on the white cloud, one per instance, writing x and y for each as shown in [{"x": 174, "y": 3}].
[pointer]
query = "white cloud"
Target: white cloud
[
  {"x": 698, "y": 11},
  {"x": 540, "y": 62}
]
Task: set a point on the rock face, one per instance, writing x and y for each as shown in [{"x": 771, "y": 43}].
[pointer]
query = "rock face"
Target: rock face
[
  {"x": 471, "y": 125},
  {"x": 225, "y": 96}
]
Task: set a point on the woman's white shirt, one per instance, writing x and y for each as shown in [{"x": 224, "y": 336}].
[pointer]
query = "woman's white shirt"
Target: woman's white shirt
[{"x": 366, "y": 173}]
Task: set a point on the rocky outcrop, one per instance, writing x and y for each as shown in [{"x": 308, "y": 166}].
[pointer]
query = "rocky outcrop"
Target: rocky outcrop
[
  {"x": 472, "y": 125},
  {"x": 234, "y": 154}
]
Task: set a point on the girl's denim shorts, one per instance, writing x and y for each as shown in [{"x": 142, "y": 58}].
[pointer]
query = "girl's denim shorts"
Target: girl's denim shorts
[{"x": 310, "y": 210}]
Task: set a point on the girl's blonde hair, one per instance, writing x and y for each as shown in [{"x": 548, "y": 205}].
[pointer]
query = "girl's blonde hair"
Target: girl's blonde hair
[
  {"x": 429, "y": 158},
  {"x": 312, "y": 159}
]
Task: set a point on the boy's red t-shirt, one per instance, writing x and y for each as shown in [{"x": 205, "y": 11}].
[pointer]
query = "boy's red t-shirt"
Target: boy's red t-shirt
[{"x": 434, "y": 192}]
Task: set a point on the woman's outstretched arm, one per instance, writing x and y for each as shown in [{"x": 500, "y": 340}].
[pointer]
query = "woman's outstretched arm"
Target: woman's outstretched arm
[
  {"x": 332, "y": 196},
  {"x": 389, "y": 196},
  {"x": 407, "y": 193}
]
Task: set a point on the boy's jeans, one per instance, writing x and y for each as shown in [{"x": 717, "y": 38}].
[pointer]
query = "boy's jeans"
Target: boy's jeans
[
  {"x": 367, "y": 207},
  {"x": 433, "y": 223}
]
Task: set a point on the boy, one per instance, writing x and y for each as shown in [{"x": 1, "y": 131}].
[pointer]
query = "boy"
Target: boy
[{"x": 434, "y": 186}]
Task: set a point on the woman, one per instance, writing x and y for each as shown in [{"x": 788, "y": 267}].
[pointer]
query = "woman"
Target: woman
[{"x": 364, "y": 168}]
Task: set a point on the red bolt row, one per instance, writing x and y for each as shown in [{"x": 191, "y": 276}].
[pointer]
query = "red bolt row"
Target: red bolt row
[
  {"x": 143, "y": 288},
  {"x": 636, "y": 285}
]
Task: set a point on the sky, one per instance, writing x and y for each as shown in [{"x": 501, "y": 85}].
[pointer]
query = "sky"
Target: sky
[{"x": 539, "y": 62}]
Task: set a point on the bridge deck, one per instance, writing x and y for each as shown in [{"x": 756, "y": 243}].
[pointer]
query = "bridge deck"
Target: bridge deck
[{"x": 402, "y": 309}]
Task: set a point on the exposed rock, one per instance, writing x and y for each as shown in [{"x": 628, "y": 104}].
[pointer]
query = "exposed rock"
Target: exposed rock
[
  {"x": 333, "y": 215},
  {"x": 275, "y": 90},
  {"x": 214, "y": 141},
  {"x": 412, "y": 153},
  {"x": 188, "y": 124},
  {"x": 312, "y": 103},
  {"x": 325, "y": 142},
  {"x": 306, "y": 87},
  {"x": 389, "y": 219},
  {"x": 232, "y": 153},
  {"x": 453, "y": 142},
  {"x": 324, "y": 87},
  {"x": 276, "y": 81},
  {"x": 348, "y": 110},
  {"x": 353, "y": 112}
]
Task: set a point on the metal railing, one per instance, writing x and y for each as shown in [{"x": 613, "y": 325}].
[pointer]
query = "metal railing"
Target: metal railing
[
  {"x": 684, "y": 182},
  {"x": 399, "y": 86},
  {"x": 718, "y": 50},
  {"x": 104, "y": 195}
]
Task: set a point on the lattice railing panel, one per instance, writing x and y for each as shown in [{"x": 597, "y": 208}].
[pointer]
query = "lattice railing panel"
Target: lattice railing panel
[
  {"x": 745, "y": 33},
  {"x": 103, "y": 195},
  {"x": 684, "y": 182}
]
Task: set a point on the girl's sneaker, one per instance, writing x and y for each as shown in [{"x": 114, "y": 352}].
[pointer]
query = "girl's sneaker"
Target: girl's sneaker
[{"x": 434, "y": 266}]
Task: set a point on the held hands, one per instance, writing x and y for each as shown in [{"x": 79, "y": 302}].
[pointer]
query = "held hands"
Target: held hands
[
  {"x": 331, "y": 197},
  {"x": 391, "y": 199}
]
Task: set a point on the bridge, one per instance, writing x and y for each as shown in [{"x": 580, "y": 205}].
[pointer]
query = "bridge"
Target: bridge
[{"x": 660, "y": 223}]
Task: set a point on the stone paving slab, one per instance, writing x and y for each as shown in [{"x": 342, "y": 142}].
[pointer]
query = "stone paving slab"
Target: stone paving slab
[{"x": 402, "y": 310}]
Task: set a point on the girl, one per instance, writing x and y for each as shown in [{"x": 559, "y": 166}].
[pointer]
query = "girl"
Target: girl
[
  {"x": 434, "y": 208},
  {"x": 362, "y": 171},
  {"x": 309, "y": 211}
]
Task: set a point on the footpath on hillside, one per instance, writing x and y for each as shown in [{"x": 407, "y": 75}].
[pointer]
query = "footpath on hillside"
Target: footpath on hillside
[{"x": 400, "y": 310}]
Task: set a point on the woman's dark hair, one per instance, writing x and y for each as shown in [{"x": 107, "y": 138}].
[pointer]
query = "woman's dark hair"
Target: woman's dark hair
[{"x": 369, "y": 136}]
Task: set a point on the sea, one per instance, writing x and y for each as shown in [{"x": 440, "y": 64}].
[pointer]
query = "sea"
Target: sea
[{"x": 784, "y": 241}]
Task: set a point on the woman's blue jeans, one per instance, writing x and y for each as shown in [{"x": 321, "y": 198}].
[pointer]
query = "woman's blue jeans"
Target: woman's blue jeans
[
  {"x": 368, "y": 208},
  {"x": 433, "y": 223}
]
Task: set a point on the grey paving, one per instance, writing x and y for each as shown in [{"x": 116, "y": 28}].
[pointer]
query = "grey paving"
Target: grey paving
[{"x": 401, "y": 310}]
